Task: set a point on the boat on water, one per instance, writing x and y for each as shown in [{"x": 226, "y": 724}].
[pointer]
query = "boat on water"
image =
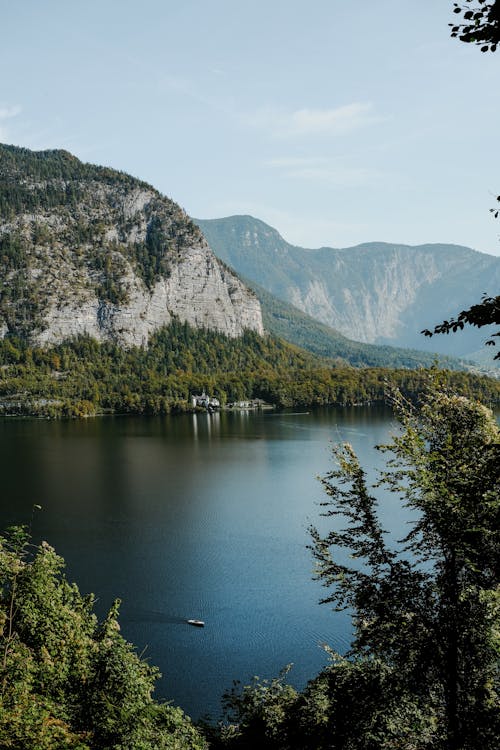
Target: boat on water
[{"x": 196, "y": 623}]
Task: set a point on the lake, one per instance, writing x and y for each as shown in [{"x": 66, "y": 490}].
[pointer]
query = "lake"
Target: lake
[{"x": 195, "y": 516}]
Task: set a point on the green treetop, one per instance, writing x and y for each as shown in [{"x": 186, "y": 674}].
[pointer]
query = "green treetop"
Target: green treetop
[
  {"x": 67, "y": 680},
  {"x": 429, "y": 609}
]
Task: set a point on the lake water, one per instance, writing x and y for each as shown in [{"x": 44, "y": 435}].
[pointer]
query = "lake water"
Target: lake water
[{"x": 195, "y": 516}]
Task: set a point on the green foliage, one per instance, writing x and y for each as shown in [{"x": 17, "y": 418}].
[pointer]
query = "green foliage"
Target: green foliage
[
  {"x": 12, "y": 252},
  {"x": 66, "y": 680},
  {"x": 422, "y": 672},
  {"x": 482, "y": 27},
  {"x": 82, "y": 377},
  {"x": 350, "y": 705},
  {"x": 426, "y": 610},
  {"x": 486, "y": 312},
  {"x": 257, "y": 714},
  {"x": 19, "y": 302},
  {"x": 89, "y": 206},
  {"x": 482, "y": 23},
  {"x": 166, "y": 237},
  {"x": 109, "y": 263},
  {"x": 34, "y": 181}
]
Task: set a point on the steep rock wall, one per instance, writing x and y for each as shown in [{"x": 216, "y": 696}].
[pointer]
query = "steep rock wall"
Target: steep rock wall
[{"x": 92, "y": 251}]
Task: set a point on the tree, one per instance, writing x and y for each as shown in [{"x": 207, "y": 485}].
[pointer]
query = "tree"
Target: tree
[
  {"x": 428, "y": 610},
  {"x": 482, "y": 23},
  {"x": 482, "y": 27},
  {"x": 486, "y": 312},
  {"x": 66, "y": 680}
]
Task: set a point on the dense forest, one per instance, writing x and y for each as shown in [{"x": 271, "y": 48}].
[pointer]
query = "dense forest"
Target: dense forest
[{"x": 83, "y": 377}]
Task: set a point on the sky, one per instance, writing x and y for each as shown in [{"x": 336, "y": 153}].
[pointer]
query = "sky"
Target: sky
[{"x": 337, "y": 122}]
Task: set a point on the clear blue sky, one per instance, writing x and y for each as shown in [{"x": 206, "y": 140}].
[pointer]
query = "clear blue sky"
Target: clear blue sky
[{"x": 336, "y": 121}]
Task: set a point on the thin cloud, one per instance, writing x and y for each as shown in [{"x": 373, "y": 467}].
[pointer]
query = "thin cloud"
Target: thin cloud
[
  {"x": 333, "y": 121},
  {"x": 305, "y": 122},
  {"x": 7, "y": 112},
  {"x": 325, "y": 171}
]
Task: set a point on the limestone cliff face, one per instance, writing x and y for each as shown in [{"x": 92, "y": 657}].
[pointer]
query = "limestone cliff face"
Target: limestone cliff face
[
  {"x": 376, "y": 293},
  {"x": 87, "y": 250},
  {"x": 387, "y": 282}
]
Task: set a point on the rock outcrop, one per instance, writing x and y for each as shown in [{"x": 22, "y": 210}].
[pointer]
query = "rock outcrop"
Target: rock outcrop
[
  {"x": 88, "y": 250},
  {"x": 376, "y": 293}
]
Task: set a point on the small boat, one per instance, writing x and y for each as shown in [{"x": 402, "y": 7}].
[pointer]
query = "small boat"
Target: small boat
[{"x": 196, "y": 623}]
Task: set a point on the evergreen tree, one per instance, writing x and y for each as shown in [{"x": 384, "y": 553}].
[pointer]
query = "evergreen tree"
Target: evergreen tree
[{"x": 428, "y": 610}]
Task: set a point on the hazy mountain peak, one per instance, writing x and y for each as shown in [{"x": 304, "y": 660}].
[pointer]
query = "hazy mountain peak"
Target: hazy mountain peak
[{"x": 375, "y": 292}]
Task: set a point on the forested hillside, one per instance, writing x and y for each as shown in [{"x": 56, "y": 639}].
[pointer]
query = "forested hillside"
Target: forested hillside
[
  {"x": 83, "y": 377},
  {"x": 293, "y": 325}
]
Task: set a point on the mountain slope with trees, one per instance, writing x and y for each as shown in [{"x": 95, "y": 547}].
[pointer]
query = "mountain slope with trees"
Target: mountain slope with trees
[
  {"x": 377, "y": 293},
  {"x": 88, "y": 250},
  {"x": 288, "y": 322},
  {"x": 83, "y": 377}
]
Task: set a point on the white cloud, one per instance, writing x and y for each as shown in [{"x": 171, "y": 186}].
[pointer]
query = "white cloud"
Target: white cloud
[
  {"x": 334, "y": 121},
  {"x": 303, "y": 122}
]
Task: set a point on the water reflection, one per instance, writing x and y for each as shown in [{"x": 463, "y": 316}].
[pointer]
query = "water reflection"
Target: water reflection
[{"x": 198, "y": 516}]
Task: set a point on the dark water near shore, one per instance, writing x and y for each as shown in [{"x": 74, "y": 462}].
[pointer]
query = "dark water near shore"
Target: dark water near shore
[{"x": 200, "y": 516}]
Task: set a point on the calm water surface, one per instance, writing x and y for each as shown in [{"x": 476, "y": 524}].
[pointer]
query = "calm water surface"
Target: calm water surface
[{"x": 195, "y": 516}]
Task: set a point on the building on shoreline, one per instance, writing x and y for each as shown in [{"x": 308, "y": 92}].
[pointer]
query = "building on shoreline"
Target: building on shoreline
[{"x": 205, "y": 401}]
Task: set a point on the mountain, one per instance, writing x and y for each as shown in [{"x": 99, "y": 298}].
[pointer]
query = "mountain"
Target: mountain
[
  {"x": 376, "y": 293},
  {"x": 288, "y": 322},
  {"x": 111, "y": 301},
  {"x": 90, "y": 250}
]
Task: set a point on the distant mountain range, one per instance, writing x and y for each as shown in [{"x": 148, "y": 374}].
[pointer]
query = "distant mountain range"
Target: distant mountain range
[
  {"x": 111, "y": 300},
  {"x": 289, "y": 323},
  {"x": 89, "y": 250},
  {"x": 375, "y": 293}
]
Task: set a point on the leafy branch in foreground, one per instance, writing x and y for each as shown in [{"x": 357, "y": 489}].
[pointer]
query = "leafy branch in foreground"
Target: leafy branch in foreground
[
  {"x": 487, "y": 312},
  {"x": 482, "y": 23},
  {"x": 482, "y": 27},
  {"x": 66, "y": 679}
]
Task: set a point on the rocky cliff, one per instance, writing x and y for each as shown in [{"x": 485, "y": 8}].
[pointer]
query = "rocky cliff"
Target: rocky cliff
[
  {"x": 89, "y": 250},
  {"x": 377, "y": 293}
]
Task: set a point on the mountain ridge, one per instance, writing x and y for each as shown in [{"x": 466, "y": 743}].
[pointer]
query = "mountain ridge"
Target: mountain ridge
[
  {"x": 287, "y": 322},
  {"x": 377, "y": 293},
  {"x": 90, "y": 250}
]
